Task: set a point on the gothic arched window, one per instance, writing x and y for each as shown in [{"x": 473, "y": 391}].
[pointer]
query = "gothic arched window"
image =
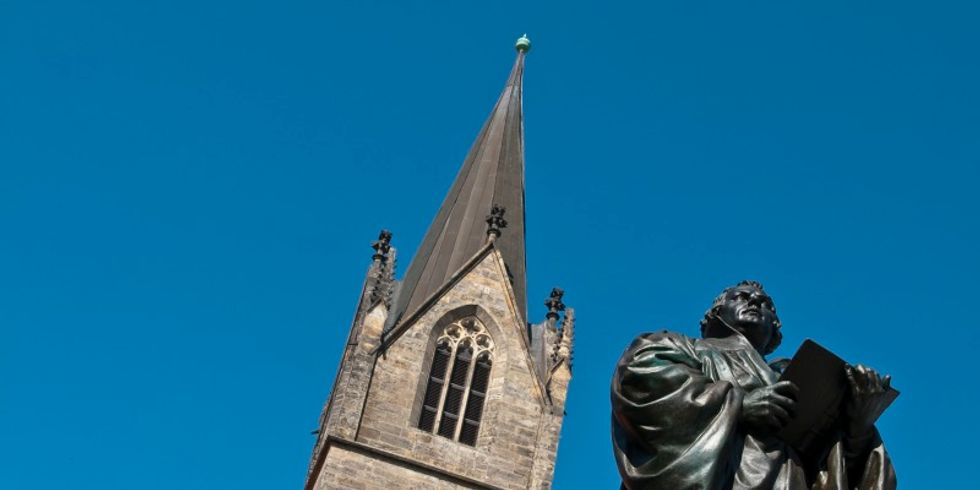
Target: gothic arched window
[{"x": 457, "y": 385}]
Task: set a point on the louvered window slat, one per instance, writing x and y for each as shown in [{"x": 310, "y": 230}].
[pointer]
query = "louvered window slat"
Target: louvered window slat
[
  {"x": 474, "y": 403},
  {"x": 454, "y": 396},
  {"x": 434, "y": 389},
  {"x": 467, "y": 435}
]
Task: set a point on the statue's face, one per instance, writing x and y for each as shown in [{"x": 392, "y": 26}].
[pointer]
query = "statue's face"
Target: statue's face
[{"x": 750, "y": 311}]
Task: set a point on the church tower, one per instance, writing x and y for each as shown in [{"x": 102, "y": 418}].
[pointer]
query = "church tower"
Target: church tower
[{"x": 443, "y": 382}]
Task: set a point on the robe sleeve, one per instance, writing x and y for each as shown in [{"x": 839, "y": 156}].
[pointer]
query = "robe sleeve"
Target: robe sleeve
[
  {"x": 672, "y": 426},
  {"x": 877, "y": 472}
]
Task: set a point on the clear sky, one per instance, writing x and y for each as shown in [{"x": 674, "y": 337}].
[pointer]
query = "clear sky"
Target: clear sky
[{"x": 188, "y": 191}]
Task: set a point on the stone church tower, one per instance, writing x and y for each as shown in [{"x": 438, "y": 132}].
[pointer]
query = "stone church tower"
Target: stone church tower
[{"x": 443, "y": 381}]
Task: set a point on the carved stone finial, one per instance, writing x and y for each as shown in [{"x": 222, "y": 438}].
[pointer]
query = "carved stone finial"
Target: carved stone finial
[
  {"x": 382, "y": 245},
  {"x": 563, "y": 341},
  {"x": 381, "y": 275},
  {"x": 554, "y": 303},
  {"x": 567, "y": 336},
  {"x": 495, "y": 221},
  {"x": 384, "y": 280}
]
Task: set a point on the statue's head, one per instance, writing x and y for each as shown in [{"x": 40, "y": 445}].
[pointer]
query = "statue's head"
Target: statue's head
[{"x": 747, "y": 309}]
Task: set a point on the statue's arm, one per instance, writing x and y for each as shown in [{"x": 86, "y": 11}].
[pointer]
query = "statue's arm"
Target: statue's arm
[{"x": 672, "y": 424}]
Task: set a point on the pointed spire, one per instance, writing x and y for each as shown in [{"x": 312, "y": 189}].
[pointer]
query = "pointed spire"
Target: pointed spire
[{"x": 492, "y": 176}]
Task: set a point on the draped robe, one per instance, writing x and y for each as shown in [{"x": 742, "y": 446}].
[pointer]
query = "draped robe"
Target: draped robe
[{"x": 676, "y": 406}]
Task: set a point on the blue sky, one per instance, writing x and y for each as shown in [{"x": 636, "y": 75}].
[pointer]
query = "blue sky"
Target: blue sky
[{"x": 188, "y": 191}]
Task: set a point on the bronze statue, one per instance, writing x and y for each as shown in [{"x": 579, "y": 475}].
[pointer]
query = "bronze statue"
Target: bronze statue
[{"x": 707, "y": 413}]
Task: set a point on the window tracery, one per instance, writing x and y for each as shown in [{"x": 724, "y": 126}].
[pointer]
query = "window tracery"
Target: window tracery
[{"x": 458, "y": 378}]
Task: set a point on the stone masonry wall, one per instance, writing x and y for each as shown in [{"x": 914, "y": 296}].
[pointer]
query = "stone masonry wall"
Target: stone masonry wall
[
  {"x": 515, "y": 408},
  {"x": 354, "y": 470},
  {"x": 518, "y": 437}
]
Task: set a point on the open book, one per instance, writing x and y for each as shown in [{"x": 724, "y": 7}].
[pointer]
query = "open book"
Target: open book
[{"x": 822, "y": 380}]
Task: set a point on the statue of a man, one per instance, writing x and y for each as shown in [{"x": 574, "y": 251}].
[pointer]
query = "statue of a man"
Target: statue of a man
[{"x": 703, "y": 413}]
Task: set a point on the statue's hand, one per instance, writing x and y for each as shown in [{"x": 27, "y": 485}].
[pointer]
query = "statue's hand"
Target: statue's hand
[
  {"x": 866, "y": 399},
  {"x": 766, "y": 410}
]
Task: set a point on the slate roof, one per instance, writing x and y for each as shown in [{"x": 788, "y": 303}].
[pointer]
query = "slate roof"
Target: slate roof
[{"x": 492, "y": 174}]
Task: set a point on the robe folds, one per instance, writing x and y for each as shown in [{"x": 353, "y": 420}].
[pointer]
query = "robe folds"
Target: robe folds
[{"x": 676, "y": 406}]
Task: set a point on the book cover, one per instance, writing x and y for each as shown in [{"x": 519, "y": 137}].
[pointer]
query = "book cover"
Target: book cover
[{"x": 822, "y": 379}]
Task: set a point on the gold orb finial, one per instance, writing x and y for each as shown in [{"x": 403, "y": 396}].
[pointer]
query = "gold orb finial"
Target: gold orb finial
[{"x": 523, "y": 44}]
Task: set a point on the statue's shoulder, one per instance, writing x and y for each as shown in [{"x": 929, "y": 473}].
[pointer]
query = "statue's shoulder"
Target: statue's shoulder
[
  {"x": 663, "y": 338},
  {"x": 661, "y": 346}
]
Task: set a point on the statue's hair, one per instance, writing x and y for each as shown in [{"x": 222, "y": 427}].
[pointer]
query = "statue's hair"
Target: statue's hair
[{"x": 711, "y": 316}]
